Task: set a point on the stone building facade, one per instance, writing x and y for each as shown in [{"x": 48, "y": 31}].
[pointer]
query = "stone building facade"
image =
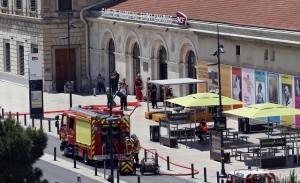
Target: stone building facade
[{"x": 41, "y": 26}]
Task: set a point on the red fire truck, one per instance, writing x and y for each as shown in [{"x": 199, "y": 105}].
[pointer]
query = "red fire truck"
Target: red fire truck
[
  {"x": 87, "y": 134},
  {"x": 250, "y": 176}
]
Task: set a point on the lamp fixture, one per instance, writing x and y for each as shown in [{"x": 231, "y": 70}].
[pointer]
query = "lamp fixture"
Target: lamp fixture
[
  {"x": 139, "y": 26},
  {"x": 114, "y": 22},
  {"x": 167, "y": 29}
]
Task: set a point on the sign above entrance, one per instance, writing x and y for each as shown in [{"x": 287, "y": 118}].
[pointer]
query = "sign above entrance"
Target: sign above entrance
[
  {"x": 145, "y": 17},
  {"x": 181, "y": 19}
]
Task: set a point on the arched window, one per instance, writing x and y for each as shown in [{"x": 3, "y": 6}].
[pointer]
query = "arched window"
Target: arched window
[
  {"x": 163, "y": 66},
  {"x": 111, "y": 55},
  {"x": 192, "y": 72},
  {"x": 136, "y": 60}
]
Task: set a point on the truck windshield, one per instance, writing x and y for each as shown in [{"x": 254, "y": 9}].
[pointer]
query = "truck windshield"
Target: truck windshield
[{"x": 64, "y": 120}]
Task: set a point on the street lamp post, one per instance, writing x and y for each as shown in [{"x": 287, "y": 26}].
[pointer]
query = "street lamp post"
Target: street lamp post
[
  {"x": 218, "y": 53},
  {"x": 69, "y": 84}
]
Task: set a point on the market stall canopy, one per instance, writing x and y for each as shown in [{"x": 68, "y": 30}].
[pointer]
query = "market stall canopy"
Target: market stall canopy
[
  {"x": 263, "y": 110},
  {"x": 202, "y": 99}
]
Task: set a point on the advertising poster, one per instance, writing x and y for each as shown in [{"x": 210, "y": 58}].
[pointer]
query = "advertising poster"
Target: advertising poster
[
  {"x": 286, "y": 96},
  {"x": 260, "y": 87},
  {"x": 248, "y": 86},
  {"x": 236, "y": 85},
  {"x": 297, "y": 98},
  {"x": 203, "y": 74},
  {"x": 226, "y": 83},
  {"x": 273, "y": 93}
]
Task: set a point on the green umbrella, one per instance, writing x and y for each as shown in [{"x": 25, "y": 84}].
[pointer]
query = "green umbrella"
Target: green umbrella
[
  {"x": 202, "y": 99},
  {"x": 263, "y": 110}
]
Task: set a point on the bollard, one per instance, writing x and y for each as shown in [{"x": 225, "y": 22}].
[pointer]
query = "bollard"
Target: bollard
[
  {"x": 2, "y": 113},
  {"x": 25, "y": 122},
  {"x": 156, "y": 158},
  {"x": 32, "y": 122},
  {"x": 95, "y": 168},
  {"x": 17, "y": 117},
  {"x": 49, "y": 125},
  {"x": 205, "y": 176},
  {"x": 145, "y": 154},
  {"x": 218, "y": 177},
  {"x": 168, "y": 163},
  {"x": 118, "y": 176},
  {"x": 94, "y": 91},
  {"x": 78, "y": 178},
  {"x": 104, "y": 168},
  {"x": 249, "y": 167},
  {"x": 222, "y": 181},
  {"x": 54, "y": 153},
  {"x": 192, "y": 168},
  {"x": 139, "y": 179},
  {"x": 74, "y": 155},
  {"x": 41, "y": 123},
  {"x": 57, "y": 126}
]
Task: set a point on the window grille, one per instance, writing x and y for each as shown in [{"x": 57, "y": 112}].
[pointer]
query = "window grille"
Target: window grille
[
  {"x": 33, "y": 5},
  {"x": 64, "y": 5},
  {"x": 111, "y": 55},
  {"x": 21, "y": 60},
  {"x": 7, "y": 57},
  {"x": 4, "y": 3},
  {"x": 18, "y": 4}
]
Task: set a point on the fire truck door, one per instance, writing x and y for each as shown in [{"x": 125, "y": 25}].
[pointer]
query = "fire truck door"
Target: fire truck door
[
  {"x": 71, "y": 130},
  {"x": 63, "y": 128}
]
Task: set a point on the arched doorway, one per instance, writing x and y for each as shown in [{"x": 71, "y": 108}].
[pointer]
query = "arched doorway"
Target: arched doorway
[
  {"x": 162, "y": 68},
  {"x": 136, "y": 61},
  {"x": 192, "y": 71}
]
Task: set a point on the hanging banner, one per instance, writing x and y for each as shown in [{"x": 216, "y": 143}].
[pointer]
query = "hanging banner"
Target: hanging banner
[
  {"x": 248, "y": 86},
  {"x": 273, "y": 93},
  {"x": 287, "y": 97},
  {"x": 260, "y": 87},
  {"x": 237, "y": 85},
  {"x": 226, "y": 84},
  {"x": 297, "y": 98}
]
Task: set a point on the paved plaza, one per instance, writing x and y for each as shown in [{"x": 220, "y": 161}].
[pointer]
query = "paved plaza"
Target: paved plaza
[{"x": 15, "y": 98}]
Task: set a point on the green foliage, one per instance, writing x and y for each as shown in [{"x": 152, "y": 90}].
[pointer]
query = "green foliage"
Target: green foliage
[
  {"x": 291, "y": 179},
  {"x": 19, "y": 149}
]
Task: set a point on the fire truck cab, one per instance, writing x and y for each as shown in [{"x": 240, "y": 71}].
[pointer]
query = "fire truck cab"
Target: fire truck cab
[
  {"x": 251, "y": 176},
  {"x": 86, "y": 133}
]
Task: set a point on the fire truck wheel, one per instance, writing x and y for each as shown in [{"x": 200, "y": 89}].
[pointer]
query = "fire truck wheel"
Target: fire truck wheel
[{"x": 85, "y": 158}]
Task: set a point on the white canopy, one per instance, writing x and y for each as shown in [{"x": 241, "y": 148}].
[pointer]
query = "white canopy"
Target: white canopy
[{"x": 178, "y": 81}]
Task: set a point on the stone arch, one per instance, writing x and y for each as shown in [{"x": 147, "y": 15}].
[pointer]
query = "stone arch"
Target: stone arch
[
  {"x": 106, "y": 36},
  {"x": 186, "y": 46},
  {"x": 130, "y": 39},
  {"x": 157, "y": 41}
]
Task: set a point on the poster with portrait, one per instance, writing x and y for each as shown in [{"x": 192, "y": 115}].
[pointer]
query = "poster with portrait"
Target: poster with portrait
[
  {"x": 209, "y": 74},
  {"x": 297, "y": 98},
  {"x": 286, "y": 96},
  {"x": 236, "y": 85},
  {"x": 273, "y": 93},
  {"x": 260, "y": 87},
  {"x": 248, "y": 86}
]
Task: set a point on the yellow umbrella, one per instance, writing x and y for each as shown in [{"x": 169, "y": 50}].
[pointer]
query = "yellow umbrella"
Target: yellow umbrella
[
  {"x": 202, "y": 99},
  {"x": 264, "y": 110}
]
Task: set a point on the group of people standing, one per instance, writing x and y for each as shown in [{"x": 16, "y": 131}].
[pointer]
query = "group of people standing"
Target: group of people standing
[{"x": 121, "y": 89}]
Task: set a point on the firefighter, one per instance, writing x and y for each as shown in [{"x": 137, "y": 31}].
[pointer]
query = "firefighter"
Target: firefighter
[
  {"x": 203, "y": 129},
  {"x": 136, "y": 148}
]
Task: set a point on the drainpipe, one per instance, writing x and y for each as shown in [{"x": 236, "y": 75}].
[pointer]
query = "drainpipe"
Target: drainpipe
[{"x": 87, "y": 43}]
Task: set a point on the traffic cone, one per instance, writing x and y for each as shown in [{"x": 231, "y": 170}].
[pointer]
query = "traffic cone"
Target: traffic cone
[{"x": 78, "y": 178}]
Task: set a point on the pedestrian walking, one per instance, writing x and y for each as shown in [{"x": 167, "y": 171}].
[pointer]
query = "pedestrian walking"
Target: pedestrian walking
[{"x": 100, "y": 84}]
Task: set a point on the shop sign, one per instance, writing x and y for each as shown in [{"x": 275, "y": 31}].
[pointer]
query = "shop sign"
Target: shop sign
[
  {"x": 136, "y": 16},
  {"x": 178, "y": 116},
  {"x": 220, "y": 123},
  {"x": 272, "y": 142},
  {"x": 181, "y": 19}
]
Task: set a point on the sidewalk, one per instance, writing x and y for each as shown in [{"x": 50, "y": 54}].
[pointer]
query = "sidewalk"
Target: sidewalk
[{"x": 15, "y": 98}]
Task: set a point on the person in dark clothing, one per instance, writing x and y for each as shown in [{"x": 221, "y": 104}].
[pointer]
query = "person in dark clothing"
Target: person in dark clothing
[
  {"x": 153, "y": 91},
  {"x": 114, "y": 81},
  {"x": 123, "y": 90},
  {"x": 100, "y": 83}
]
